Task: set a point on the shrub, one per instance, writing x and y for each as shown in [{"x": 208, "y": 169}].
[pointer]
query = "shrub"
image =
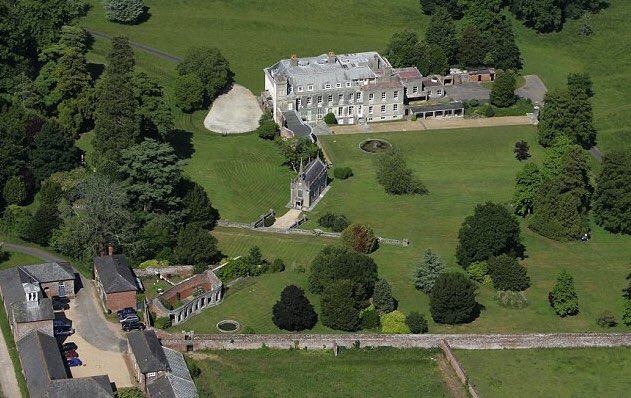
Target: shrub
[
  {"x": 277, "y": 265},
  {"x": 254, "y": 257},
  {"x": 417, "y": 322},
  {"x": 193, "y": 369},
  {"x": 125, "y": 11},
  {"x": 382, "y": 297},
  {"x": 626, "y": 314},
  {"x": 189, "y": 92},
  {"x": 502, "y": 94},
  {"x": 473, "y": 103},
  {"x": 370, "y": 319},
  {"x": 41, "y": 225},
  {"x": 606, "y": 320},
  {"x": 360, "y": 238},
  {"x": 478, "y": 271},
  {"x": 15, "y": 220},
  {"x": 237, "y": 269},
  {"x": 337, "y": 223},
  {"x": 489, "y": 111},
  {"x": 563, "y": 296},
  {"x": 452, "y": 300},
  {"x": 394, "y": 323},
  {"x": 294, "y": 311},
  {"x": 508, "y": 274},
  {"x": 14, "y": 191},
  {"x": 129, "y": 392},
  {"x": 510, "y": 299},
  {"x": 413, "y": 117},
  {"x": 342, "y": 173},
  {"x": 329, "y": 118},
  {"x": 200, "y": 268},
  {"x": 154, "y": 263},
  {"x": 267, "y": 129},
  {"x": 339, "y": 306},
  {"x": 162, "y": 323}
]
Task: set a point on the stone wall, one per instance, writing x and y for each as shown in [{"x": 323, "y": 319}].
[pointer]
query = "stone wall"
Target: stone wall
[
  {"x": 458, "y": 341},
  {"x": 459, "y": 369},
  {"x": 181, "y": 270}
]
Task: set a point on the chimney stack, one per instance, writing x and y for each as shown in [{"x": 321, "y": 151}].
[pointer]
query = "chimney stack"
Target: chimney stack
[
  {"x": 331, "y": 58},
  {"x": 110, "y": 250},
  {"x": 293, "y": 61}
]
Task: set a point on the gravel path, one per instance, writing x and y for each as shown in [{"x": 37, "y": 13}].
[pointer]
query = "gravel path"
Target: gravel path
[
  {"x": 534, "y": 88},
  {"x": 236, "y": 111}
]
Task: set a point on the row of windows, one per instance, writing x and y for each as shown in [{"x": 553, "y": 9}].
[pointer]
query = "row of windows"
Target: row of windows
[
  {"x": 395, "y": 108},
  {"x": 356, "y": 96},
  {"x": 395, "y": 95},
  {"x": 327, "y": 86}
]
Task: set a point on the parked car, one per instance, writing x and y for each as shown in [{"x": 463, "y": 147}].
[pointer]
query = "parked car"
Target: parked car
[
  {"x": 129, "y": 318},
  {"x": 69, "y": 346},
  {"x": 71, "y": 354},
  {"x": 62, "y": 323},
  {"x": 126, "y": 311},
  {"x": 63, "y": 331},
  {"x": 127, "y": 326},
  {"x": 74, "y": 362},
  {"x": 60, "y": 303}
]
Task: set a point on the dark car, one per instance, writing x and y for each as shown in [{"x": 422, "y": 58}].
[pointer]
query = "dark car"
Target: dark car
[
  {"x": 127, "y": 326},
  {"x": 63, "y": 331},
  {"x": 60, "y": 303},
  {"x": 62, "y": 323},
  {"x": 74, "y": 362},
  {"x": 69, "y": 346},
  {"x": 125, "y": 311},
  {"x": 129, "y": 318},
  {"x": 71, "y": 354}
]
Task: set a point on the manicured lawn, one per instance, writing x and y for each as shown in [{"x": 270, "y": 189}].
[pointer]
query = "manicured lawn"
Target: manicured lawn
[
  {"x": 573, "y": 372},
  {"x": 14, "y": 258},
  {"x": 318, "y": 373}
]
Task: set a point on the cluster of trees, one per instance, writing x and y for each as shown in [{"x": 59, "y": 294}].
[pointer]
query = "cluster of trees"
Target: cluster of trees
[
  {"x": 336, "y": 222},
  {"x": 568, "y": 112},
  {"x": 540, "y": 15},
  {"x": 485, "y": 37},
  {"x": 612, "y": 198},
  {"x": 204, "y": 74},
  {"x": 556, "y": 197},
  {"x": 396, "y": 177},
  {"x": 253, "y": 264}
]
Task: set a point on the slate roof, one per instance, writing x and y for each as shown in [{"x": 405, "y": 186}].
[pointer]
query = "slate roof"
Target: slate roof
[
  {"x": 92, "y": 387},
  {"x": 438, "y": 107},
  {"x": 178, "y": 383},
  {"x": 147, "y": 350},
  {"x": 318, "y": 71},
  {"x": 115, "y": 274},
  {"x": 313, "y": 170},
  {"x": 41, "y": 361},
  {"x": 24, "y": 311},
  {"x": 161, "y": 388},
  {"x": 49, "y": 272}
]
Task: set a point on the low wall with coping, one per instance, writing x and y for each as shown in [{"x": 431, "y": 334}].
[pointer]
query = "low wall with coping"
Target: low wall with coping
[
  {"x": 459, "y": 369},
  {"x": 181, "y": 270},
  {"x": 458, "y": 341}
]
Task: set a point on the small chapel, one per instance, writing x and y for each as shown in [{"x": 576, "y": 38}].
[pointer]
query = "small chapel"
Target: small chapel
[{"x": 311, "y": 182}]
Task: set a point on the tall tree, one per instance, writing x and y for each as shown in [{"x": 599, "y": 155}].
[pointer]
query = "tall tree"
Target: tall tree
[
  {"x": 503, "y": 92},
  {"x": 117, "y": 125},
  {"x": 13, "y": 144},
  {"x": 430, "y": 269},
  {"x": 441, "y": 32},
  {"x": 382, "y": 298},
  {"x": 198, "y": 207},
  {"x": 612, "y": 204},
  {"x": 491, "y": 230},
  {"x": 195, "y": 245},
  {"x": 580, "y": 84},
  {"x": 395, "y": 176},
  {"x": 563, "y": 297},
  {"x": 452, "y": 300},
  {"x": 527, "y": 185},
  {"x": 54, "y": 151},
  {"x": 472, "y": 47},
  {"x": 294, "y": 311},
  {"x": 151, "y": 172},
  {"x": 210, "y": 66},
  {"x": 521, "y": 150},
  {"x": 431, "y": 6},
  {"x": 541, "y": 15},
  {"x": 45, "y": 18},
  {"x": 156, "y": 120},
  {"x": 504, "y": 51},
  {"x": 339, "y": 306},
  {"x": 569, "y": 115},
  {"x": 402, "y": 49}
]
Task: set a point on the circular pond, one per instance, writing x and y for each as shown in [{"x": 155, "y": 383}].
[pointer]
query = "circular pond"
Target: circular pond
[
  {"x": 228, "y": 326},
  {"x": 374, "y": 146}
]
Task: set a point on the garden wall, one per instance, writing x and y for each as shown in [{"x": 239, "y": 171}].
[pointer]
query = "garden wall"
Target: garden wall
[
  {"x": 181, "y": 270},
  {"x": 459, "y": 369}
]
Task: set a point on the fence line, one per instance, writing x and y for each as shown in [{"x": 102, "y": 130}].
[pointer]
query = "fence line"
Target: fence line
[{"x": 306, "y": 232}]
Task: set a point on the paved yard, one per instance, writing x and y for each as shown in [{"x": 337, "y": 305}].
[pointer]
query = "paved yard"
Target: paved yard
[
  {"x": 468, "y": 91},
  {"x": 288, "y": 219},
  {"x": 237, "y": 111},
  {"x": 534, "y": 89}
]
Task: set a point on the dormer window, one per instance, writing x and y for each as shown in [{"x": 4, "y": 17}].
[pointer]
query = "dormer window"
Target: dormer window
[
  {"x": 310, "y": 87},
  {"x": 300, "y": 89},
  {"x": 327, "y": 86},
  {"x": 338, "y": 85},
  {"x": 348, "y": 84}
]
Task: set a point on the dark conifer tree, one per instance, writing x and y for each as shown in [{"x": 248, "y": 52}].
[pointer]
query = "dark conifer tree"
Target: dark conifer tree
[
  {"x": 54, "y": 151},
  {"x": 452, "y": 300},
  {"x": 294, "y": 311}
]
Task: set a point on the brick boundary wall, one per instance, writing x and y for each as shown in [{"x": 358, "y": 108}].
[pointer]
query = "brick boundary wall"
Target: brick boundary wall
[
  {"x": 180, "y": 342},
  {"x": 181, "y": 270},
  {"x": 459, "y": 369}
]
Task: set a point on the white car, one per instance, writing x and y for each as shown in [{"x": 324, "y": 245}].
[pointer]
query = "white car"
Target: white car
[{"x": 129, "y": 318}]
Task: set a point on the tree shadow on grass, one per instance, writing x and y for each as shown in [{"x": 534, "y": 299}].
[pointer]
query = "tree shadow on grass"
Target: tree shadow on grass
[{"x": 182, "y": 142}]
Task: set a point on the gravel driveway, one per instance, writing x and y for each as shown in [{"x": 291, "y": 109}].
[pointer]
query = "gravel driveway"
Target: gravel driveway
[
  {"x": 235, "y": 112},
  {"x": 534, "y": 88}
]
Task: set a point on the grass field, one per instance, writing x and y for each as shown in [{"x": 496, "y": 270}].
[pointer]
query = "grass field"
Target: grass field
[
  {"x": 560, "y": 373},
  {"x": 301, "y": 373},
  {"x": 15, "y": 258},
  {"x": 255, "y": 34}
]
